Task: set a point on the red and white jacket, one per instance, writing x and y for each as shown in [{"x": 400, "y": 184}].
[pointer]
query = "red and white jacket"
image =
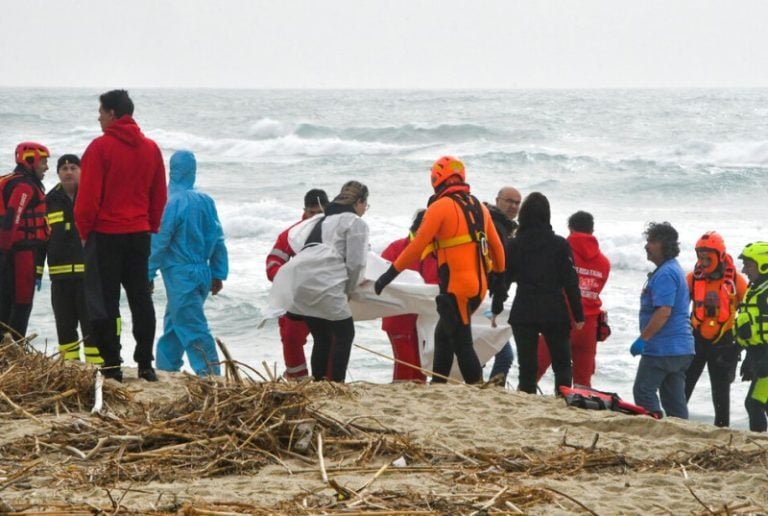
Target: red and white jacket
[
  {"x": 281, "y": 252},
  {"x": 592, "y": 268},
  {"x": 23, "y": 212}
]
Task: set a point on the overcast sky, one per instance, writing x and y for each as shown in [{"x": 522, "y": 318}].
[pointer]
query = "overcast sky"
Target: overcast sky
[{"x": 384, "y": 44}]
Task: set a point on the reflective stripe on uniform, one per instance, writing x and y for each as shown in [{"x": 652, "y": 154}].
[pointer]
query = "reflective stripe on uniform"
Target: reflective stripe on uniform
[
  {"x": 66, "y": 269},
  {"x": 760, "y": 392},
  {"x": 280, "y": 254},
  {"x": 92, "y": 355},
  {"x": 296, "y": 369},
  {"x": 70, "y": 350},
  {"x": 55, "y": 217}
]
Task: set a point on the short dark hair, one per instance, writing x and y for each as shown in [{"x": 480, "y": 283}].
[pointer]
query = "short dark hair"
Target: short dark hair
[
  {"x": 315, "y": 197},
  {"x": 117, "y": 101},
  {"x": 664, "y": 233},
  {"x": 582, "y": 221}
]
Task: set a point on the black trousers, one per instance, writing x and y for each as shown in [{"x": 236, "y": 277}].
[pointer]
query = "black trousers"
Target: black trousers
[
  {"x": 331, "y": 348},
  {"x": 453, "y": 337},
  {"x": 450, "y": 340},
  {"x": 557, "y": 337},
  {"x": 757, "y": 412},
  {"x": 112, "y": 261},
  {"x": 69, "y": 310},
  {"x": 721, "y": 359}
]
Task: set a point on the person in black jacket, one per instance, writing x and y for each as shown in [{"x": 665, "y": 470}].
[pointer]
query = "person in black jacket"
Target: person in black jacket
[
  {"x": 541, "y": 263},
  {"x": 503, "y": 215},
  {"x": 65, "y": 265}
]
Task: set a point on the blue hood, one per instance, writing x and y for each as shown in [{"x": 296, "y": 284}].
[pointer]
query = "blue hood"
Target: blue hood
[{"x": 183, "y": 169}]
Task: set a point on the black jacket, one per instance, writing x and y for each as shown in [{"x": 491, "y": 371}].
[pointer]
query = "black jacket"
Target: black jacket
[
  {"x": 64, "y": 249},
  {"x": 541, "y": 263},
  {"x": 505, "y": 226}
]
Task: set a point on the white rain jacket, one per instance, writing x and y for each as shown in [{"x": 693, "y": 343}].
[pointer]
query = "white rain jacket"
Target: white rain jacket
[{"x": 318, "y": 281}]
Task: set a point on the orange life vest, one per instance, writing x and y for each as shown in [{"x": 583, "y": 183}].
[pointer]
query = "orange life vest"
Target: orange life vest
[{"x": 714, "y": 302}]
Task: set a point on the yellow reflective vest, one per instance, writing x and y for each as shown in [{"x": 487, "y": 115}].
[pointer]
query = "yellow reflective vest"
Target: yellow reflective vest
[{"x": 752, "y": 319}]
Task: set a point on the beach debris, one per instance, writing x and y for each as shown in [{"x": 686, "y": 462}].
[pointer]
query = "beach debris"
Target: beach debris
[{"x": 237, "y": 425}]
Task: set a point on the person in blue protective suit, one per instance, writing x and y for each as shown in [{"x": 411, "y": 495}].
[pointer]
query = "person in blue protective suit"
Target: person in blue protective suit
[{"x": 190, "y": 253}]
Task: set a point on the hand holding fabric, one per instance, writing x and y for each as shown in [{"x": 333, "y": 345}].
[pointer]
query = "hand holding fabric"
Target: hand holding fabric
[
  {"x": 637, "y": 347},
  {"x": 385, "y": 279}
]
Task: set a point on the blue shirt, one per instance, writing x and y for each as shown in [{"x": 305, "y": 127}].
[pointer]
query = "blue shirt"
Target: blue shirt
[{"x": 667, "y": 286}]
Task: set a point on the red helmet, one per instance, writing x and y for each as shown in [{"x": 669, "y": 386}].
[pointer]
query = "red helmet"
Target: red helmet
[
  {"x": 34, "y": 150},
  {"x": 712, "y": 242},
  {"x": 445, "y": 168}
]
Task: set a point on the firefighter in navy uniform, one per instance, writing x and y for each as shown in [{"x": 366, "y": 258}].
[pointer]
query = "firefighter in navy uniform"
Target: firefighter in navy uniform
[
  {"x": 65, "y": 265},
  {"x": 23, "y": 233}
]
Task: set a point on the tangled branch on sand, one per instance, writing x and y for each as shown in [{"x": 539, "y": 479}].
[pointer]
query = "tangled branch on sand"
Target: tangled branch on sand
[
  {"x": 214, "y": 428},
  {"x": 32, "y": 383}
]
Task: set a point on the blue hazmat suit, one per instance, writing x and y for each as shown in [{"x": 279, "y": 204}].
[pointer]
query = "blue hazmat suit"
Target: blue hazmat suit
[{"x": 190, "y": 253}]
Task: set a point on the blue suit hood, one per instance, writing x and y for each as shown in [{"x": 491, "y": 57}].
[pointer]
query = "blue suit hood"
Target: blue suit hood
[{"x": 183, "y": 170}]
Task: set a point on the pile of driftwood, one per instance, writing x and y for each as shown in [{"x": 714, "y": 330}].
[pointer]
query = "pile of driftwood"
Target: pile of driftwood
[
  {"x": 238, "y": 426},
  {"x": 32, "y": 383},
  {"x": 213, "y": 430}
]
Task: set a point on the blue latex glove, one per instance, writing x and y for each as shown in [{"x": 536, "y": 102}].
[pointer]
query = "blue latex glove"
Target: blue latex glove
[
  {"x": 637, "y": 347},
  {"x": 38, "y": 283}
]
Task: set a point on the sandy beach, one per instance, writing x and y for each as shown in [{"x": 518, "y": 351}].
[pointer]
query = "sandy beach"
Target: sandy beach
[{"x": 187, "y": 446}]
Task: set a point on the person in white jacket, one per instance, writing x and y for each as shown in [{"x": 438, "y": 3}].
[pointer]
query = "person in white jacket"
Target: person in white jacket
[{"x": 332, "y": 251}]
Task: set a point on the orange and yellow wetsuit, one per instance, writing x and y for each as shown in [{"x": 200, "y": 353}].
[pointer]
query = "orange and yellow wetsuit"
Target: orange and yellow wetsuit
[{"x": 464, "y": 261}]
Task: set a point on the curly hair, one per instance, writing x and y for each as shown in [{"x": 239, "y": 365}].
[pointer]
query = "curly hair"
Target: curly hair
[{"x": 664, "y": 233}]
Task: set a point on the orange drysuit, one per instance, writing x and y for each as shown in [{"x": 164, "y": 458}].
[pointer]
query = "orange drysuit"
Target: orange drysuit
[{"x": 460, "y": 265}]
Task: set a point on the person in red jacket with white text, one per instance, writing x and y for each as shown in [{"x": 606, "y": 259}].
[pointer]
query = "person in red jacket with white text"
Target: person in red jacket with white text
[
  {"x": 592, "y": 268},
  {"x": 120, "y": 202},
  {"x": 293, "y": 329},
  {"x": 401, "y": 329},
  {"x": 23, "y": 234}
]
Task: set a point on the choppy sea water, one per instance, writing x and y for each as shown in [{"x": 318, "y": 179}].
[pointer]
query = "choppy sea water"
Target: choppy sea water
[{"x": 696, "y": 158}]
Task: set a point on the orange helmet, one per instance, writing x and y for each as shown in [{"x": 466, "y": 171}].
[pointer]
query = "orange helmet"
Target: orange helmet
[
  {"x": 27, "y": 150},
  {"x": 445, "y": 168},
  {"x": 712, "y": 242}
]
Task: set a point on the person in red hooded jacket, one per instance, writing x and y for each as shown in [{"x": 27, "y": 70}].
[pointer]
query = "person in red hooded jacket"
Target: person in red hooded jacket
[
  {"x": 401, "y": 329},
  {"x": 119, "y": 203},
  {"x": 592, "y": 268},
  {"x": 293, "y": 329}
]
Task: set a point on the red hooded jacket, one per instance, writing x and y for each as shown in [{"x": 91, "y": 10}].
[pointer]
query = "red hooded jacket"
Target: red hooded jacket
[
  {"x": 122, "y": 183},
  {"x": 592, "y": 268}
]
